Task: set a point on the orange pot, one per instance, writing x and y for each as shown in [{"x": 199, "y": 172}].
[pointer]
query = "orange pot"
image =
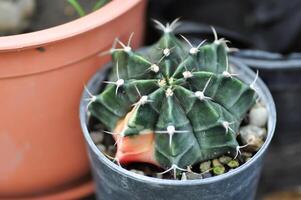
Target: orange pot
[{"x": 42, "y": 74}]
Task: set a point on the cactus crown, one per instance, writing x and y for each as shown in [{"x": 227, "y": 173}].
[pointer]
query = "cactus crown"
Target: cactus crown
[{"x": 175, "y": 104}]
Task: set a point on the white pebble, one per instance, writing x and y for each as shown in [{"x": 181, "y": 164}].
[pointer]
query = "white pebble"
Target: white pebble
[
  {"x": 192, "y": 176},
  {"x": 253, "y": 130},
  {"x": 258, "y": 115},
  {"x": 253, "y": 136}
]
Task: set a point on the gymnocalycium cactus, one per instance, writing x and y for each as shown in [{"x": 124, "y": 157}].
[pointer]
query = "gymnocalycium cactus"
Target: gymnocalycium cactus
[{"x": 175, "y": 104}]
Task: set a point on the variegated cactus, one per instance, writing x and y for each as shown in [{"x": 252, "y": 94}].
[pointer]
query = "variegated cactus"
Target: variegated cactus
[{"x": 173, "y": 105}]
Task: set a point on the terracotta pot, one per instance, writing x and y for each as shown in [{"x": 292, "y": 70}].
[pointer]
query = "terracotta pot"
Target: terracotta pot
[{"x": 42, "y": 74}]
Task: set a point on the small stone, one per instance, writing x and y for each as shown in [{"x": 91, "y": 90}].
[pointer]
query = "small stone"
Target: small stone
[
  {"x": 253, "y": 136},
  {"x": 193, "y": 176},
  {"x": 246, "y": 154},
  {"x": 258, "y": 115},
  {"x": 224, "y": 159},
  {"x": 216, "y": 163},
  {"x": 101, "y": 147},
  {"x": 253, "y": 130},
  {"x": 207, "y": 175},
  {"x": 205, "y": 166},
  {"x": 137, "y": 171},
  {"x": 111, "y": 150},
  {"x": 233, "y": 164},
  {"x": 218, "y": 170},
  {"x": 97, "y": 137}
]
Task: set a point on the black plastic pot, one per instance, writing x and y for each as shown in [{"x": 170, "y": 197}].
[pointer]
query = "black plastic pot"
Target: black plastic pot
[
  {"x": 114, "y": 182},
  {"x": 282, "y": 75}
]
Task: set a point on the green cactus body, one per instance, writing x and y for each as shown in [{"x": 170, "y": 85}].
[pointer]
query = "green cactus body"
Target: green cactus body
[{"x": 185, "y": 96}]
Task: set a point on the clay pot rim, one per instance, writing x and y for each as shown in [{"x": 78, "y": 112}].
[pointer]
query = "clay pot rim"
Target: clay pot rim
[
  {"x": 81, "y": 25},
  {"x": 264, "y": 93}
]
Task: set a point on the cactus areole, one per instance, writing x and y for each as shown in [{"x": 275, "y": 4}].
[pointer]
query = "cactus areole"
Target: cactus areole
[{"x": 175, "y": 105}]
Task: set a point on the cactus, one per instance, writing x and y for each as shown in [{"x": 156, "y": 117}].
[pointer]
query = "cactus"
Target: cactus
[{"x": 173, "y": 105}]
